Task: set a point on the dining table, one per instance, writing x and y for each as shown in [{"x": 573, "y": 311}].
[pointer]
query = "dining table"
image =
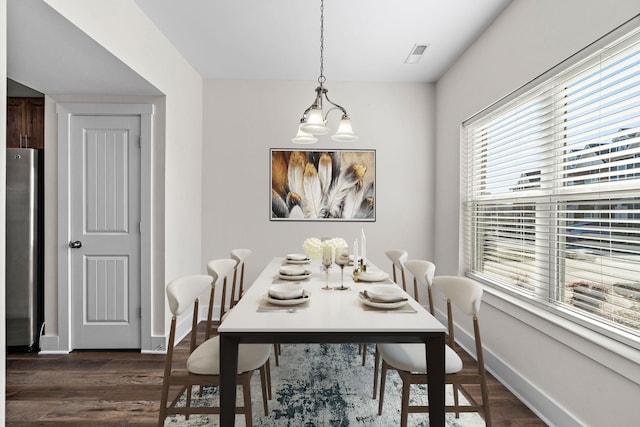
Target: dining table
[{"x": 327, "y": 316}]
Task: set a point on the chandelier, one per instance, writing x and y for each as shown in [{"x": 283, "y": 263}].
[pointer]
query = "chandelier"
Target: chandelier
[{"x": 314, "y": 119}]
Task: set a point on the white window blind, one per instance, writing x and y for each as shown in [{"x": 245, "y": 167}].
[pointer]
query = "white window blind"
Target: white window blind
[{"x": 552, "y": 188}]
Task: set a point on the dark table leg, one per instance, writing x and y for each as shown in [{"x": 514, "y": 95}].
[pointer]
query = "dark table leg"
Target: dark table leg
[
  {"x": 228, "y": 373},
  {"x": 435, "y": 373}
]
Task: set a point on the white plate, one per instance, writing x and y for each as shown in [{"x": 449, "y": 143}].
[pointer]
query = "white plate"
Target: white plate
[
  {"x": 299, "y": 277},
  {"x": 372, "y": 276},
  {"x": 293, "y": 270},
  {"x": 295, "y": 301},
  {"x": 297, "y": 257},
  {"x": 295, "y": 261},
  {"x": 386, "y": 305},
  {"x": 286, "y": 291}
]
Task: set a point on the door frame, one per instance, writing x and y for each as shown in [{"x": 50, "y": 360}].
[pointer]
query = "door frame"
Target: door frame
[{"x": 65, "y": 112}]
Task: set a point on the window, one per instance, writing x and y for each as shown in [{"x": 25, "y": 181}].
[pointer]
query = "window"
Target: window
[{"x": 552, "y": 189}]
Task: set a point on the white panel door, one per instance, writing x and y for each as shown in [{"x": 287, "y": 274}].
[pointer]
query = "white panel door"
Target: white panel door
[{"x": 105, "y": 231}]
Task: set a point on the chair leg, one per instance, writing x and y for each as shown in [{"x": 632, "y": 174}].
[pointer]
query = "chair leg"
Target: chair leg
[
  {"x": 163, "y": 403},
  {"x": 406, "y": 388},
  {"x": 376, "y": 368},
  {"x": 246, "y": 396},
  {"x": 263, "y": 383},
  {"x": 456, "y": 399},
  {"x": 364, "y": 354},
  {"x": 383, "y": 380},
  {"x": 485, "y": 403},
  {"x": 187, "y": 403},
  {"x": 268, "y": 370},
  {"x": 275, "y": 352}
]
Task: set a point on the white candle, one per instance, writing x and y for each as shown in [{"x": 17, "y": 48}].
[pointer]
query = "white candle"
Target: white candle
[
  {"x": 364, "y": 248},
  {"x": 355, "y": 252}
]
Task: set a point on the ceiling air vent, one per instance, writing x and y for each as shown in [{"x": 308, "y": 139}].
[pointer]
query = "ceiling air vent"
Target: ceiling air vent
[{"x": 416, "y": 53}]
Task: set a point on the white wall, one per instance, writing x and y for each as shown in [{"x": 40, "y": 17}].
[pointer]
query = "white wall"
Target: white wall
[
  {"x": 140, "y": 45},
  {"x": 244, "y": 119},
  {"x": 568, "y": 379}
]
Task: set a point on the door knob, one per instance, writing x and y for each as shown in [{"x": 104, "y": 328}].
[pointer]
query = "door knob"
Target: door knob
[{"x": 75, "y": 245}]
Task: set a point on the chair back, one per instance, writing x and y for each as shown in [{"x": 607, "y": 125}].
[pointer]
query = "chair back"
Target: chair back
[
  {"x": 219, "y": 269},
  {"x": 183, "y": 291},
  {"x": 464, "y": 293},
  {"x": 423, "y": 272},
  {"x": 398, "y": 258},
  {"x": 238, "y": 255}
]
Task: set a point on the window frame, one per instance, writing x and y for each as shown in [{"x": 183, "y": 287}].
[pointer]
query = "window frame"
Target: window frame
[{"x": 550, "y": 196}]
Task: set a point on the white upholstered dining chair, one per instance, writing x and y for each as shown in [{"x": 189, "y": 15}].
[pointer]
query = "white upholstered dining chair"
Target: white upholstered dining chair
[
  {"x": 219, "y": 270},
  {"x": 423, "y": 272},
  {"x": 398, "y": 257},
  {"x": 410, "y": 359},
  {"x": 203, "y": 362},
  {"x": 239, "y": 256}
]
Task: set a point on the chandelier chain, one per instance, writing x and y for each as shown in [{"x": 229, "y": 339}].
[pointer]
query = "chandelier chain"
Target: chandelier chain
[{"x": 322, "y": 78}]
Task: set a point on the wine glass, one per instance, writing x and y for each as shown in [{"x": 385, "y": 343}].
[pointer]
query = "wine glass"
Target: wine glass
[
  {"x": 342, "y": 259},
  {"x": 327, "y": 260}
]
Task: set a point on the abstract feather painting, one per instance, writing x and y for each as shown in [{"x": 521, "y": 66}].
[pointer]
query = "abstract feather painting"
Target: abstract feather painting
[{"x": 337, "y": 185}]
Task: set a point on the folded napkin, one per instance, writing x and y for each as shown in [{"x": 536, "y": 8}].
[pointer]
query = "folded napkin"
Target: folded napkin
[
  {"x": 384, "y": 301},
  {"x": 303, "y": 296}
]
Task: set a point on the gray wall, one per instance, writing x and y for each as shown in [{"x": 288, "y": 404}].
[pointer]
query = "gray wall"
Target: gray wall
[{"x": 572, "y": 377}]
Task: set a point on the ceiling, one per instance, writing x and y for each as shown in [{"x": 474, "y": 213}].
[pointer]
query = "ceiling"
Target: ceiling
[{"x": 365, "y": 40}]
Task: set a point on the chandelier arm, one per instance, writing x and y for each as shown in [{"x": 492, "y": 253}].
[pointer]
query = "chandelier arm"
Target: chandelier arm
[{"x": 345, "y": 115}]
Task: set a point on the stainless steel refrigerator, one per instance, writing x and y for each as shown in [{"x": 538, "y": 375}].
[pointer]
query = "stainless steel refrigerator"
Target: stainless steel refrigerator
[{"x": 24, "y": 272}]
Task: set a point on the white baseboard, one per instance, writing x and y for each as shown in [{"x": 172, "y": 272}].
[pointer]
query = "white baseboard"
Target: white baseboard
[
  {"x": 158, "y": 345},
  {"x": 50, "y": 344}
]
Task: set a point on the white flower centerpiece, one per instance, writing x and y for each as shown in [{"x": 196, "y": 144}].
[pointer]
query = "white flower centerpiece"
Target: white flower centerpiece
[{"x": 314, "y": 247}]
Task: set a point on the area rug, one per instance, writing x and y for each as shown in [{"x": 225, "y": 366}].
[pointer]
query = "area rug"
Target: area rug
[{"x": 319, "y": 385}]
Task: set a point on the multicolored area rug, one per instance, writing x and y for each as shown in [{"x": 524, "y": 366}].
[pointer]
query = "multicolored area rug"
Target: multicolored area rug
[{"x": 319, "y": 385}]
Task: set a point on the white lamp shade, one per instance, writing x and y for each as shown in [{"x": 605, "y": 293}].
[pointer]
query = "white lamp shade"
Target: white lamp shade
[
  {"x": 303, "y": 137},
  {"x": 315, "y": 123},
  {"x": 344, "y": 132}
]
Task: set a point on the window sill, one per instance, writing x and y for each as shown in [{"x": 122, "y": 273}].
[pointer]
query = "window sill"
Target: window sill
[{"x": 615, "y": 355}]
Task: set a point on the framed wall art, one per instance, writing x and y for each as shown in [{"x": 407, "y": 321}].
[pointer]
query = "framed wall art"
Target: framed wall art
[{"x": 336, "y": 185}]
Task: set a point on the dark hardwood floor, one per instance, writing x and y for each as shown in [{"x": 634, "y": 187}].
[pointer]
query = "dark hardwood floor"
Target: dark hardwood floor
[{"x": 122, "y": 388}]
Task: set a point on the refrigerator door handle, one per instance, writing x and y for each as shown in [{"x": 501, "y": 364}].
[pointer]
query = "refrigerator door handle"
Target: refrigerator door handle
[{"x": 75, "y": 245}]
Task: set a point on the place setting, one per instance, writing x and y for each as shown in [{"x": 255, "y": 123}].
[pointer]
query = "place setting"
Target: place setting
[
  {"x": 284, "y": 297},
  {"x": 385, "y": 298}
]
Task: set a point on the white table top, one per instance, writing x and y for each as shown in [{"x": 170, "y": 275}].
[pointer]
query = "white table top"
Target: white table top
[{"x": 326, "y": 311}]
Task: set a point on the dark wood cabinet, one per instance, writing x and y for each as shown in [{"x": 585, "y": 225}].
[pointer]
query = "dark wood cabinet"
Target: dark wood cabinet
[{"x": 25, "y": 123}]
